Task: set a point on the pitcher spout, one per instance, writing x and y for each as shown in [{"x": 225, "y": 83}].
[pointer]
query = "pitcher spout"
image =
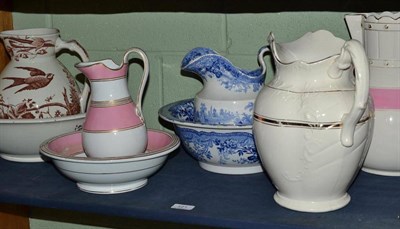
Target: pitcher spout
[
  {"x": 208, "y": 64},
  {"x": 311, "y": 48}
]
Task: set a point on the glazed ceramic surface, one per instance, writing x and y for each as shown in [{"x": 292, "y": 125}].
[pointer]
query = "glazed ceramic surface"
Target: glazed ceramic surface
[
  {"x": 109, "y": 175},
  {"x": 34, "y": 84},
  {"x": 380, "y": 35},
  {"x": 20, "y": 138},
  {"x": 228, "y": 95},
  {"x": 113, "y": 119},
  {"x": 220, "y": 149},
  {"x": 312, "y": 122}
]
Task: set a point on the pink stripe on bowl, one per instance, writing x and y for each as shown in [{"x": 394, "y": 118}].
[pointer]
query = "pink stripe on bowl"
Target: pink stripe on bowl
[{"x": 386, "y": 98}]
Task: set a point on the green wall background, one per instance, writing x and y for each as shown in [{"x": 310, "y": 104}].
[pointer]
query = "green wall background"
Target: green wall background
[{"x": 166, "y": 38}]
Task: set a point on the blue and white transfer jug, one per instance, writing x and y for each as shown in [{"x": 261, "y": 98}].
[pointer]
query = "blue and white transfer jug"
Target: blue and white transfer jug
[{"x": 228, "y": 94}]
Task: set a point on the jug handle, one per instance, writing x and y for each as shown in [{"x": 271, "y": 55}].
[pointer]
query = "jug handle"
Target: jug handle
[
  {"x": 74, "y": 46},
  {"x": 261, "y": 60},
  {"x": 143, "y": 82},
  {"x": 353, "y": 51}
]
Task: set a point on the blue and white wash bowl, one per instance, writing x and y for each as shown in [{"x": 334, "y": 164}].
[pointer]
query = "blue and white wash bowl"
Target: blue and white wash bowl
[
  {"x": 224, "y": 149},
  {"x": 229, "y": 92}
]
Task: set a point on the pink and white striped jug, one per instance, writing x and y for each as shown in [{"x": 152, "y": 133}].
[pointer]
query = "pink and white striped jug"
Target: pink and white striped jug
[
  {"x": 380, "y": 35},
  {"x": 114, "y": 125}
]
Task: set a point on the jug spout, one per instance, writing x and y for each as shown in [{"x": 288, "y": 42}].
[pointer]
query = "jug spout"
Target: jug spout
[
  {"x": 354, "y": 25},
  {"x": 209, "y": 65},
  {"x": 228, "y": 93}
]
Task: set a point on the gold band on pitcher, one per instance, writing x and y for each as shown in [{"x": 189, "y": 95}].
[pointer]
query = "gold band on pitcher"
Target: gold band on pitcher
[
  {"x": 105, "y": 79},
  {"x": 112, "y": 130},
  {"x": 111, "y": 103},
  {"x": 308, "y": 125}
]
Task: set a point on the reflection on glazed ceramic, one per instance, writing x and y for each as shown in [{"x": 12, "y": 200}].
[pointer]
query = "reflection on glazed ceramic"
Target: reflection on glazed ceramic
[
  {"x": 34, "y": 84},
  {"x": 225, "y": 149},
  {"x": 219, "y": 148},
  {"x": 380, "y": 35},
  {"x": 229, "y": 92}
]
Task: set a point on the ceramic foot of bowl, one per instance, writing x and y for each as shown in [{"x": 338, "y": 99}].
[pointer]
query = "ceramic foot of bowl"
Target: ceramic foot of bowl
[
  {"x": 312, "y": 206},
  {"x": 231, "y": 170},
  {"x": 382, "y": 172},
  {"x": 111, "y": 188},
  {"x": 22, "y": 158}
]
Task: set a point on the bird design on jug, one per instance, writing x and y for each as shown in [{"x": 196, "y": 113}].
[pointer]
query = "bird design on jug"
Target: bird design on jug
[
  {"x": 29, "y": 106},
  {"x": 26, "y": 47},
  {"x": 37, "y": 79},
  {"x": 208, "y": 64}
]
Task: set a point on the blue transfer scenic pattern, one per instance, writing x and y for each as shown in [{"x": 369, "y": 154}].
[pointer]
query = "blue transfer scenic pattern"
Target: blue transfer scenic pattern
[
  {"x": 183, "y": 111},
  {"x": 224, "y": 148},
  {"x": 210, "y": 115},
  {"x": 209, "y": 64}
]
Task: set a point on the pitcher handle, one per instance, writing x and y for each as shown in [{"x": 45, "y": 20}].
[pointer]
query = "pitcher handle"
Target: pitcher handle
[
  {"x": 261, "y": 61},
  {"x": 143, "y": 82},
  {"x": 353, "y": 51},
  {"x": 74, "y": 46}
]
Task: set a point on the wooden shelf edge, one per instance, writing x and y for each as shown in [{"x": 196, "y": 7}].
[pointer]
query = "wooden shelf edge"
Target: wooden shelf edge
[
  {"x": 11, "y": 216},
  {"x": 6, "y": 24},
  {"x": 14, "y": 216}
]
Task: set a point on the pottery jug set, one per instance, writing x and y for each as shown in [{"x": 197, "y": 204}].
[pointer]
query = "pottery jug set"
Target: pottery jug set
[
  {"x": 332, "y": 107},
  {"x": 35, "y": 85}
]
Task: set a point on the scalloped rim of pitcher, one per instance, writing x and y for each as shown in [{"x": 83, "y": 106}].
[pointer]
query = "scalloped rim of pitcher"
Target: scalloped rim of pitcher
[
  {"x": 378, "y": 16},
  {"x": 227, "y": 60},
  {"x": 272, "y": 40}
]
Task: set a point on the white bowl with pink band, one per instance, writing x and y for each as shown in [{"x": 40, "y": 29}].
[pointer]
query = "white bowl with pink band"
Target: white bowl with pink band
[{"x": 108, "y": 175}]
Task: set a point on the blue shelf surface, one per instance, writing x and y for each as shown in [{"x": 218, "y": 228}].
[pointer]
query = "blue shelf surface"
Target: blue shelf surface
[{"x": 230, "y": 201}]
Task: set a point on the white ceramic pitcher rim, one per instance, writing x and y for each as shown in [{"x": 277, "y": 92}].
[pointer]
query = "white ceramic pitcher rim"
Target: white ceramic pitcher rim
[
  {"x": 379, "y": 15},
  {"x": 33, "y": 32},
  {"x": 272, "y": 42},
  {"x": 108, "y": 63},
  {"x": 261, "y": 51}
]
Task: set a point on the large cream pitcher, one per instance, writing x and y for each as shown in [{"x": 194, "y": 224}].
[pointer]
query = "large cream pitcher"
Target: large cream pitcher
[
  {"x": 312, "y": 122},
  {"x": 380, "y": 35}
]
